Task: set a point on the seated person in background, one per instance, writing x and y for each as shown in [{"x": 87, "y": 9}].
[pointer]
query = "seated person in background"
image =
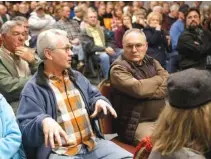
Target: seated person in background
[
  {"x": 105, "y": 55},
  {"x": 194, "y": 43},
  {"x": 10, "y": 136},
  {"x": 26, "y": 27},
  {"x": 108, "y": 15},
  {"x": 127, "y": 24},
  {"x": 170, "y": 18},
  {"x": 78, "y": 14},
  {"x": 17, "y": 62},
  {"x": 4, "y": 17},
  {"x": 183, "y": 129},
  {"x": 58, "y": 108},
  {"x": 73, "y": 33},
  {"x": 101, "y": 11},
  {"x": 158, "y": 9},
  {"x": 158, "y": 41},
  {"x": 117, "y": 16},
  {"x": 140, "y": 19},
  {"x": 175, "y": 31},
  {"x": 139, "y": 88},
  {"x": 39, "y": 21}
]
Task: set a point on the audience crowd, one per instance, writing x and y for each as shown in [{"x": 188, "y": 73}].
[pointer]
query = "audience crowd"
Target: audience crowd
[{"x": 155, "y": 57}]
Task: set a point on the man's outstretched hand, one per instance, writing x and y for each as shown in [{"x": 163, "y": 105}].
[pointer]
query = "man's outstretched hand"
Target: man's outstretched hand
[{"x": 102, "y": 105}]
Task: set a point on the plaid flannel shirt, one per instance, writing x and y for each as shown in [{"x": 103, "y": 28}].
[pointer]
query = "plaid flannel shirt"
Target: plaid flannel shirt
[{"x": 72, "y": 116}]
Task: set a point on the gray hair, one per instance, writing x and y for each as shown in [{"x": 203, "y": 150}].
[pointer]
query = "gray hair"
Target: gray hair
[
  {"x": 92, "y": 10},
  {"x": 77, "y": 9},
  {"x": 174, "y": 7},
  {"x": 20, "y": 18},
  {"x": 157, "y": 8},
  {"x": 7, "y": 26},
  {"x": 138, "y": 31},
  {"x": 48, "y": 40}
]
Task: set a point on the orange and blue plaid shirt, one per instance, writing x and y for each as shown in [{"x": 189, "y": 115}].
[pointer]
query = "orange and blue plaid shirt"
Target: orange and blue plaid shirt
[{"x": 72, "y": 116}]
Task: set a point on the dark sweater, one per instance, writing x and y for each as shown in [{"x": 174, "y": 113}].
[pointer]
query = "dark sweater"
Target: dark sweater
[{"x": 194, "y": 46}]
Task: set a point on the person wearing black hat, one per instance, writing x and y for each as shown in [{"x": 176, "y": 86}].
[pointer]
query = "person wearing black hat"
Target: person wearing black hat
[
  {"x": 175, "y": 31},
  {"x": 183, "y": 128},
  {"x": 194, "y": 43}
]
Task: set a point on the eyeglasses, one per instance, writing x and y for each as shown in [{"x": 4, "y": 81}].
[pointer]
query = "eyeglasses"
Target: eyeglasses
[
  {"x": 137, "y": 46},
  {"x": 67, "y": 48}
]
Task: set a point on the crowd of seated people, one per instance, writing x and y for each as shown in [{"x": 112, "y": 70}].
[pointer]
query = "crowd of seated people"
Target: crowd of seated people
[
  {"x": 114, "y": 18},
  {"x": 48, "y": 107}
]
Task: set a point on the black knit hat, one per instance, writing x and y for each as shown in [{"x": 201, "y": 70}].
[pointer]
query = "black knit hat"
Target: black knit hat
[{"x": 189, "y": 89}]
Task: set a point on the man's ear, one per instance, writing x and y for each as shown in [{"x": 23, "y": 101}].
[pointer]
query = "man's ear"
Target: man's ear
[
  {"x": 146, "y": 45},
  {"x": 47, "y": 54},
  {"x": 2, "y": 37}
]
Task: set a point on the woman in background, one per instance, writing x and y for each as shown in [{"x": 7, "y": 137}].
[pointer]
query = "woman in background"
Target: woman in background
[
  {"x": 158, "y": 41},
  {"x": 120, "y": 31}
]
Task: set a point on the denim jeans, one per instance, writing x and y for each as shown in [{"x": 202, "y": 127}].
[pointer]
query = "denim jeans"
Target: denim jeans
[
  {"x": 78, "y": 50},
  {"x": 104, "y": 150},
  {"x": 105, "y": 60},
  {"x": 172, "y": 64}
]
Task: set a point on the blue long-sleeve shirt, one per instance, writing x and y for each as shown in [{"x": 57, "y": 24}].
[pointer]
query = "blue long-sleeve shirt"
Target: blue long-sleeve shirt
[
  {"x": 10, "y": 135},
  {"x": 175, "y": 31}
]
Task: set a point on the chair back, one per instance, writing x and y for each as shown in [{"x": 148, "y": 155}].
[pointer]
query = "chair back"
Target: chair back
[{"x": 106, "y": 122}]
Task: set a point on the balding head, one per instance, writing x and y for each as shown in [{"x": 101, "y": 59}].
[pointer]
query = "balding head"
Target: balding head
[
  {"x": 133, "y": 32},
  {"x": 134, "y": 45}
]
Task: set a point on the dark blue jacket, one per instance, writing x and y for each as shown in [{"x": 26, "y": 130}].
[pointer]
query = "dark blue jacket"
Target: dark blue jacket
[
  {"x": 38, "y": 101},
  {"x": 157, "y": 44}
]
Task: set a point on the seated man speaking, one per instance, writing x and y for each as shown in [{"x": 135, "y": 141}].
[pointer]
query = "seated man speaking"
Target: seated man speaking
[
  {"x": 139, "y": 88},
  {"x": 58, "y": 107}
]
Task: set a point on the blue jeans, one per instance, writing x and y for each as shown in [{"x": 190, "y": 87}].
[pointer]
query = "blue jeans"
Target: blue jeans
[
  {"x": 172, "y": 64},
  {"x": 105, "y": 60},
  {"x": 104, "y": 150},
  {"x": 78, "y": 50}
]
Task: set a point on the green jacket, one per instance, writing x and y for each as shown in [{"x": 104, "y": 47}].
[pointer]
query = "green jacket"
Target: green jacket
[{"x": 11, "y": 84}]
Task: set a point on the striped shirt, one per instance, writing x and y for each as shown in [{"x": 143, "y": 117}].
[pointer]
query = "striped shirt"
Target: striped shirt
[
  {"x": 71, "y": 27},
  {"x": 72, "y": 116}
]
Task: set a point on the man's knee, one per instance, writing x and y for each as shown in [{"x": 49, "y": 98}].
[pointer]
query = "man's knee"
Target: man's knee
[
  {"x": 143, "y": 129},
  {"x": 112, "y": 150},
  {"x": 104, "y": 57}
]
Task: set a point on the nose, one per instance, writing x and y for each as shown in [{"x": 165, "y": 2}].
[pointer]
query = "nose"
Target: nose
[
  {"x": 21, "y": 37},
  {"x": 70, "y": 53},
  {"x": 134, "y": 48}
]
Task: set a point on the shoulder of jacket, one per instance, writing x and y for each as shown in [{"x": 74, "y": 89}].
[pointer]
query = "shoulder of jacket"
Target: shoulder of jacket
[{"x": 120, "y": 64}]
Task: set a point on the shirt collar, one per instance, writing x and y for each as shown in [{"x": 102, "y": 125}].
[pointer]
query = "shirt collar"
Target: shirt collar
[
  {"x": 91, "y": 27},
  {"x": 51, "y": 76},
  {"x": 12, "y": 55},
  {"x": 6, "y": 51}
]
